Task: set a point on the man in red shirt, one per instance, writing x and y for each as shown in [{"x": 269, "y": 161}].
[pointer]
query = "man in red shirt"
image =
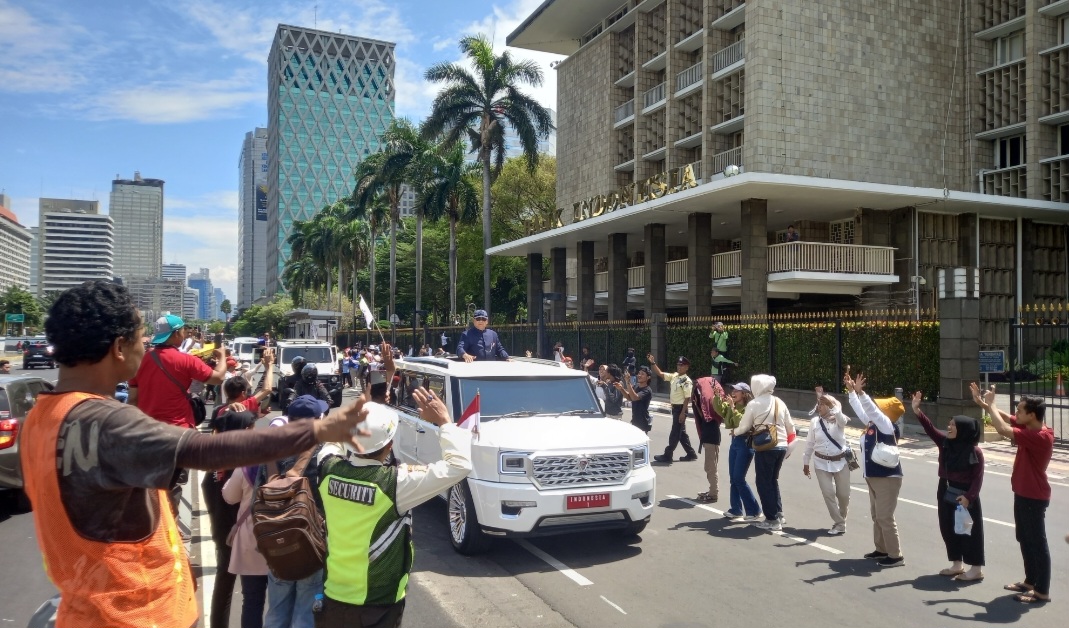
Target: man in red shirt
[
  {"x": 160, "y": 387},
  {"x": 1031, "y": 489}
]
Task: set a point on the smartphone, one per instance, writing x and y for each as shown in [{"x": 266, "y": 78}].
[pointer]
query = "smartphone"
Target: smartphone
[{"x": 219, "y": 341}]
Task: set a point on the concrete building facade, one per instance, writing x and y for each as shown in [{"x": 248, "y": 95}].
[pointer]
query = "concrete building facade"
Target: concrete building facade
[
  {"x": 77, "y": 243},
  {"x": 330, "y": 97},
  {"x": 190, "y": 304},
  {"x": 174, "y": 272},
  {"x": 155, "y": 297},
  {"x": 15, "y": 244},
  {"x": 693, "y": 133},
  {"x": 136, "y": 208},
  {"x": 252, "y": 218}
]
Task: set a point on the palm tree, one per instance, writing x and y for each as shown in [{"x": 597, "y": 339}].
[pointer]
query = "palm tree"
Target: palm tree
[
  {"x": 354, "y": 237},
  {"x": 448, "y": 188},
  {"x": 374, "y": 210},
  {"x": 479, "y": 106},
  {"x": 385, "y": 173}
]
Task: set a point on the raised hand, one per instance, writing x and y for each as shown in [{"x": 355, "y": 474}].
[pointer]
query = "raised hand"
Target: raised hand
[
  {"x": 431, "y": 408},
  {"x": 916, "y": 402},
  {"x": 859, "y": 383},
  {"x": 977, "y": 396},
  {"x": 989, "y": 395}
]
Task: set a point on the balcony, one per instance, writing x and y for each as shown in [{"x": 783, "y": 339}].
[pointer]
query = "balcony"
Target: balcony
[
  {"x": 728, "y": 59},
  {"x": 1012, "y": 181},
  {"x": 657, "y": 63},
  {"x": 624, "y": 113},
  {"x": 654, "y": 99},
  {"x": 691, "y": 42},
  {"x": 727, "y": 265},
  {"x": 727, "y": 158},
  {"x": 627, "y": 80},
  {"x": 636, "y": 277},
  {"x": 731, "y": 19},
  {"x": 689, "y": 80},
  {"x": 822, "y": 257},
  {"x": 675, "y": 272}
]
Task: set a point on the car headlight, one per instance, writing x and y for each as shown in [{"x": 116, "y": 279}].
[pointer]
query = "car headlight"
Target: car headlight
[
  {"x": 640, "y": 456},
  {"x": 333, "y": 379},
  {"x": 512, "y": 463}
]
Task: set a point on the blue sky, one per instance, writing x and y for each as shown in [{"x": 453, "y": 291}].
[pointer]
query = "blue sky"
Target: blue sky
[{"x": 92, "y": 89}]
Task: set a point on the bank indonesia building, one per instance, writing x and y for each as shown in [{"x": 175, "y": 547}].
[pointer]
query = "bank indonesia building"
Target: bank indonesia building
[{"x": 330, "y": 97}]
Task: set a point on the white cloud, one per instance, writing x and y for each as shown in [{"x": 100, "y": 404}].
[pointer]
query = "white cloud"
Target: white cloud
[
  {"x": 42, "y": 54},
  {"x": 202, "y": 232},
  {"x": 174, "y": 102}
]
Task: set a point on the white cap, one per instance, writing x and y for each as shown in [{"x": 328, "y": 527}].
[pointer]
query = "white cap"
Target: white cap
[{"x": 381, "y": 421}]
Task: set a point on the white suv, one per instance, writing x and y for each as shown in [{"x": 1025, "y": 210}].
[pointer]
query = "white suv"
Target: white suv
[
  {"x": 546, "y": 460},
  {"x": 322, "y": 354}
]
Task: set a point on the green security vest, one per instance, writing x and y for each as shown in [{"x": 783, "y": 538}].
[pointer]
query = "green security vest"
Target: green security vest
[{"x": 369, "y": 544}]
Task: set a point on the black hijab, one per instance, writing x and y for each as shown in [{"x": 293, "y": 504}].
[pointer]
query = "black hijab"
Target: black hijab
[{"x": 960, "y": 453}]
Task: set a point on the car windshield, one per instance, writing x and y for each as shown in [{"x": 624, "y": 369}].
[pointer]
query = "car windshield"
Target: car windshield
[
  {"x": 312, "y": 355},
  {"x": 499, "y": 396},
  {"x": 244, "y": 348}
]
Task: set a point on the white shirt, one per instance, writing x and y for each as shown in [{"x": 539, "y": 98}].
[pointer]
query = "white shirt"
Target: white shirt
[
  {"x": 818, "y": 441},
  {"x": 419, "y": 483},
  {"x": 867, "y": 410}
]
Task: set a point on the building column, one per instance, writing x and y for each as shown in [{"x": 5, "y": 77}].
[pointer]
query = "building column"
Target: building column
[
  {"x": 959, "y": 344},
  {"x": 558, "y": 262},
  {"x": 1028, "y": 262},
  {"x": 654, "y": 270},
  {"x": 534, "y": 286},
  {"x": 618, "y": 276},
  {"x": 699, "y": 265},
  {"x": 584, "y": 254},
  {"x": 754, "y": 256}
]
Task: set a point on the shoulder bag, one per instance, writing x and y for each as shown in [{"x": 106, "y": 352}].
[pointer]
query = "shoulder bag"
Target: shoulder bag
[
  {"x": 765, "y": 436},
  {"x": 848, "y": 452},
  {"x": 885, "y": 455},
  {"x": 200, "y": 411}
]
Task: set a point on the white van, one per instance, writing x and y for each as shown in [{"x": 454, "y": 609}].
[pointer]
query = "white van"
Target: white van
[{"x": 244, "y": 349}]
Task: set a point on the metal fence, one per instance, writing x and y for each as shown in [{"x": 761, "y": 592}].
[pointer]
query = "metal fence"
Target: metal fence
[{"x": 1039, "y": 367}]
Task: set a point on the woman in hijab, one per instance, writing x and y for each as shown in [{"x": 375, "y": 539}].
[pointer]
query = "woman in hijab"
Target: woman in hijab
[{"x": 961, "y": 473}]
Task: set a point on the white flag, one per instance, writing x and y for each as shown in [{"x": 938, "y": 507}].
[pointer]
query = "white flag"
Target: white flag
[{"x": 368, "y": 317}]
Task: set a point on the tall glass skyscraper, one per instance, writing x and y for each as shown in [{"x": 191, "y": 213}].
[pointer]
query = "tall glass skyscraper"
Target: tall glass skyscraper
[
  {"x": 252, "y": 218},
  {"x": 136, "y": 207},
  {"x": 330, "y": 97}
]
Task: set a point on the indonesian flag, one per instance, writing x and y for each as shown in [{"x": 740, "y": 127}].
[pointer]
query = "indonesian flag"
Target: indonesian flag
[
  {"x": 368, "y": 317},
  {"x": 470, "y": 419}
]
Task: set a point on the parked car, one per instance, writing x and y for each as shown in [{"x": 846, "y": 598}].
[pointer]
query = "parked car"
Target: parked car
[
  {"x": 18, "y": 393},
  {"x": 546, "y": 460},
  {"x": 37, "y": 353}
]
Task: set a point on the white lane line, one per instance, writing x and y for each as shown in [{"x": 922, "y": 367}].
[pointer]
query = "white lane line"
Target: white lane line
[
  {"x": 905, "y": 457},
  {"x": 609, "y": 602},
  {"x": 791, "y": 537},
  {"x": 554, "y": 563},
  {"x": 207, "y": 558},
  {"x": 916, "y": 503}
]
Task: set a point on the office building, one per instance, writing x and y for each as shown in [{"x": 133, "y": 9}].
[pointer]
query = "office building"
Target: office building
[
  {"x": 252, "y": 218},
  {"x": 76, "y": 245},
  {"x": 155, "y": 297},
  {"x": 698, "y": 131},
  {"x": 15, "y": 243},
  {"x": 136, "y": 208},
  {"x": 202, "y": 283},
  {"x": 408, "y": 202},
  {"x": 190, "y": 304},
  {"x": 546, "y": 145},
  {"x": 219, "y": 298},
  {"x": 174, "y": 272},
  {"x": 330, "y": 97}
]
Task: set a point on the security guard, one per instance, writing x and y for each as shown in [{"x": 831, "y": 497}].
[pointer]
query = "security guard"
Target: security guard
[
  {"x": 367, "y": 506},
  {"x": 478, "y": 342}
]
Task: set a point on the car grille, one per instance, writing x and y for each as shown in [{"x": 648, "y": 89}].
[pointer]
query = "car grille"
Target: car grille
[{"x": 560, "y": 471}]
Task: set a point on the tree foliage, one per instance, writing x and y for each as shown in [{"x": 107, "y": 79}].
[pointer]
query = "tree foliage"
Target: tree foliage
[{"x": 273, "y": 317}]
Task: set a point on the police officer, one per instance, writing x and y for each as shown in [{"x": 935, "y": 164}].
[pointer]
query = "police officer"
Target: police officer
[{"x": 479, "y": 342}]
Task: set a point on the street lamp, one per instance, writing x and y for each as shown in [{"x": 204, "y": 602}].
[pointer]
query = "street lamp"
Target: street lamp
[{"x": 545, "y": 298}]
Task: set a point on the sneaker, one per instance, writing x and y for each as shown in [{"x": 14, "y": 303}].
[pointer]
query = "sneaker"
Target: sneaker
[
  {"x": 663, "y": 458},
  {"x": 688, "y": 458},
  {"x": 752, "y": 518},
  {"x": 836, "y": 531},
  {"x": 892, "y": 562},
  {"x": 770, "y": 524},
  {"x": 876, "y": 555},
  {"x": 734, "y": 515}
]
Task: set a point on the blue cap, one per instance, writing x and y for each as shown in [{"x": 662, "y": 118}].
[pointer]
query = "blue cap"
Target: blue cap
[
  {"x": 306, "y": 407},
  {"x": 165, "y": 326},
  {"x": 480, "y": 314}
]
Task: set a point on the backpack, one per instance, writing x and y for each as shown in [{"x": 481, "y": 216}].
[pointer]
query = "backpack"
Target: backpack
[{"x": 289, "y": 529}]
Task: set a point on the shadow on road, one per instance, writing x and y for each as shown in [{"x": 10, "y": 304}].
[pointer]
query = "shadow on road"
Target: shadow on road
[
  {"x": 842, "y": 568},
  {"x": 1001, "y": 610},
  {"x": 930, "y": 582},
  {"x": 722, "y": 528}
]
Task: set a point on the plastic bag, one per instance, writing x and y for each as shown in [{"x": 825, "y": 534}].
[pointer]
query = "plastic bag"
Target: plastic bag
[{"x": 962, "y": 521}]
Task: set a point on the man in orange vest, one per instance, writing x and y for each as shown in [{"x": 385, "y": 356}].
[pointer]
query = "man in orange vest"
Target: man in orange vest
[{"x": 97, "y": 471}]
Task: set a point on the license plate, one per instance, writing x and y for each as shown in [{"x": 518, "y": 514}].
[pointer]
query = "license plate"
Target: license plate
[{"x": 593, "y": 500}]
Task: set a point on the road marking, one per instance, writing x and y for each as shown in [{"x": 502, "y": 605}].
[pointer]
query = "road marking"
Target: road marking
[
  {"x": 609, "y": 602},
  {"x": 905, "y": 457},
  {"x": 791, "y": 537},
  {"x": 916, "y": 503},
  {"x": 554, "y": 563},
  {"x": 207, "y": 559}
]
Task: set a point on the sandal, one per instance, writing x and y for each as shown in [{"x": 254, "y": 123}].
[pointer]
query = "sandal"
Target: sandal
[
  {"x": 1018, "y": 587},
  {"x": 951, "y": 573},
  {"x": 706, "y": 498},
  {"x": 1031, "y": 598}
]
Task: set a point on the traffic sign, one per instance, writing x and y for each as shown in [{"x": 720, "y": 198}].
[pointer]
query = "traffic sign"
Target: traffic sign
[
  {"x": 993, "y": 361},
  {"x": 15, "y": 318},
  {"x": 395, "y": 319}
]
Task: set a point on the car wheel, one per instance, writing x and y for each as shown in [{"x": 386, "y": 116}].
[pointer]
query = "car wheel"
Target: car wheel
[
  {"x": 634, "y": 528},
  {"x": 464, "y": 531},
  {"x": 19, "y": 501}
]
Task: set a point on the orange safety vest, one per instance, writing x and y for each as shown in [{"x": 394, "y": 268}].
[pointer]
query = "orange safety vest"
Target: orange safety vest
[{"x": 138, "y": 584}]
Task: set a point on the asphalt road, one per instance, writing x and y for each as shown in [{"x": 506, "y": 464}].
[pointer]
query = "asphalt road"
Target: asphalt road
[{"x": 690, "y": 567}]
